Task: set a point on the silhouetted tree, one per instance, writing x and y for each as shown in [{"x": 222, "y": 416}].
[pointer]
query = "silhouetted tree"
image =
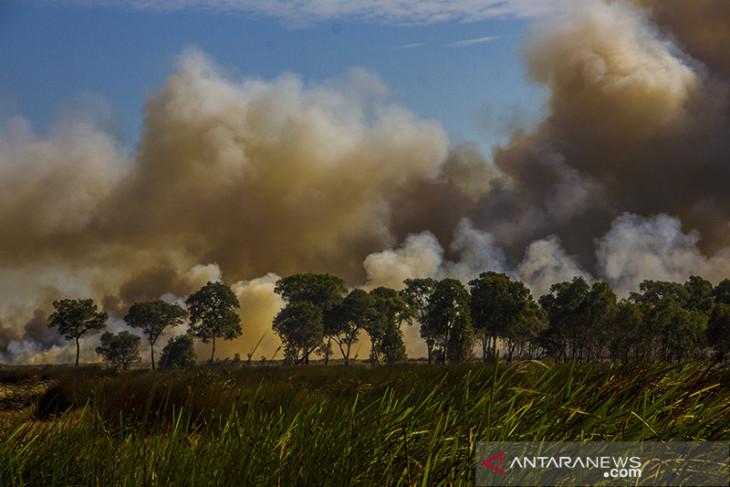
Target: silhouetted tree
[
  {"x": 153, "y": 317},
  {"x": 416, "y": 294},
  {"x": 448, "y": 315},
  {"x": 301, "y": 329},
  {"x": 121, "y": 349},
  {"x": 74, "y": 318},
  {"x": 718, "y": 330},
  {"x": 387, "y": 312},
  {"x": 213, "y": 315},
  {"x": 659, "y": 302},
  {"x": 347, "y": 319},
  {"x": 179, "y": 353},
  {"x": 700, "y": 295},
  {"x": 599, "y": 310},
  {"x": 564, "y": 308},
  {"x": 626, "y": 332},
  {"x": 323, "y": 291},
  {"x": 721, "y": 292},
  {"x": 502, "y": 308}
]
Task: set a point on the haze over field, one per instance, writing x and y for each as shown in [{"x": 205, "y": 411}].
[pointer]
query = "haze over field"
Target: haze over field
[{"x": 245, "y": 180}]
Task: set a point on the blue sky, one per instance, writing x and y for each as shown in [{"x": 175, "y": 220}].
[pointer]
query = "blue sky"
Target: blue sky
[{"x": 459, "y": 64}]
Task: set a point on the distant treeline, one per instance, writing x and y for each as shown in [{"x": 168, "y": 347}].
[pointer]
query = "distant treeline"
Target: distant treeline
[{"x": 664, "y": 320}]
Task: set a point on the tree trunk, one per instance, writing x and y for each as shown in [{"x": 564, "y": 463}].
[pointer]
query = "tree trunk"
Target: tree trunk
[
  {"x": 345, "y": 356},
  {"x": 152, "y": 354},
  {"x": 77, "y": 352},
  {"x": 212, "y": 352}
]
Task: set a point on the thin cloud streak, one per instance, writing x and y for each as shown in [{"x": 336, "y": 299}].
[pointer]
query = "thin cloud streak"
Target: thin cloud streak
[
  {"x": 471, "y": 42},
  {"x": 409, "y": 46},
  {"x": 307, "y": 11}
]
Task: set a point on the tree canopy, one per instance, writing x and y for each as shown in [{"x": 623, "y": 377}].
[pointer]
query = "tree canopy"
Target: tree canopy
[
  {"x": 321, "y": 291},
  {"x": 74, "y": 318},
  {"x": 179, "y": 353},
  {"x": 301, "y": 329},
  {"x": 213, "y": 314},
  {"x": 121, "y": 349},
  {"x": 153, "y": 317},
  {"x": 448, "y": 320}
]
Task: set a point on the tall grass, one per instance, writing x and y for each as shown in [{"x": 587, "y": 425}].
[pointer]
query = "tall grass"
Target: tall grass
[{"x": 407, "y": 425}]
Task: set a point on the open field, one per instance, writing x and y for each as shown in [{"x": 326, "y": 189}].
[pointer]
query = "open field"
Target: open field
[{"x": 273, "y": 425}]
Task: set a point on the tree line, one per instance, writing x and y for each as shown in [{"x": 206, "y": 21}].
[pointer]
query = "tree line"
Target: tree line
[
  {"x": 210, "y": 314},
  {"x": 575, "y": 320}
]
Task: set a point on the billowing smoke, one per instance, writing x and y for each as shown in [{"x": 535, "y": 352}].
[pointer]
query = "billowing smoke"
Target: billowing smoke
[
  {"x": 246, "y": 180},
  {"x": 230, "y": 179}
]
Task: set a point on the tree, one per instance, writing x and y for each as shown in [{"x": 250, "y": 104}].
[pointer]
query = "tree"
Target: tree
[
  {"x": 700, "y": 295},
  {"x": 721, "y": 292},
  {"x": 718, "y": 330},
  {"x": 599, "y": 309},
  {"x": 388, "y": 311},
  {"x": 347, "y": 319},
  {"x": 626, "y": 333},
  {"x": 179, "y": 353},
  {"x": 213, "y": 315},
  {"x": 502, "y": 308},
  {"x": 153, "y": 317},
  {"x": 416, "y": 294},
  {"x": 301, "y": 329},
  {"x": 564, "y": 308},
  {"x": 660, "y": 302},
  {"x": 74, "y": 318},
  {"x": 580, "y": 317},
  {"x": 448, "y": 316},
  {"x": 121, "y": 349},
  {"x": 684, "y": 333},
  {"x": 324, "y": 292}
]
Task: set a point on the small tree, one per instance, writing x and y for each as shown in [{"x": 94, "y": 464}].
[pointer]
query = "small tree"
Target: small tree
[
  {"x": 74, "y": 318},
  {"x": 321, "y": 291},
  {"x": 388, "y": 311},
  {"x": 121, "y": 349},
  {"x": 502, "y": 308},
  {"x": 179, "y": 353},
  {"x": 718, "y": 330},
  {"x": 416, "y": 294},
  {"x": 347, "y": 319},
  {"x": 212, "y": 314},
  {"x": 448, "y": 316},
  {"x": 301, "y": 329},
  {"x": 153, "y": 317}
]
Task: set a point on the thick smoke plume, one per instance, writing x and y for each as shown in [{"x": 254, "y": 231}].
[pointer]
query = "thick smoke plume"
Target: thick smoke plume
[{"x": 246, "y": 180}]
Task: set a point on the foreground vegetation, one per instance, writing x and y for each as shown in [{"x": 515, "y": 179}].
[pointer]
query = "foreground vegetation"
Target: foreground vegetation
[{"x": 407, "y": 424}]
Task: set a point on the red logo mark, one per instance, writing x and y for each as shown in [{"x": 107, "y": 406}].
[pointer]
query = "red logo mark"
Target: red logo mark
[{"x": 501, "y": 459}]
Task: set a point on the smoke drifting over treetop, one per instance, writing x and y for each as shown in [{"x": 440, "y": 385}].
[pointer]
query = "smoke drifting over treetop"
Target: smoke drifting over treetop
[{"x": 625, "y": 179}]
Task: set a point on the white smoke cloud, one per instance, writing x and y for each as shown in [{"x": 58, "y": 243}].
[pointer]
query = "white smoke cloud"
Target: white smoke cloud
[
  {"x": 638, "y": 248},
  {"x": 547, "y": 263},
  {"x": 477, "y": 253},
  {"x": 420, "y": 256}
]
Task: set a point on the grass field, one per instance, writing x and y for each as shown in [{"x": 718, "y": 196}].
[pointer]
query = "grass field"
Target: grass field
[{"x": 274, "y": 425}]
